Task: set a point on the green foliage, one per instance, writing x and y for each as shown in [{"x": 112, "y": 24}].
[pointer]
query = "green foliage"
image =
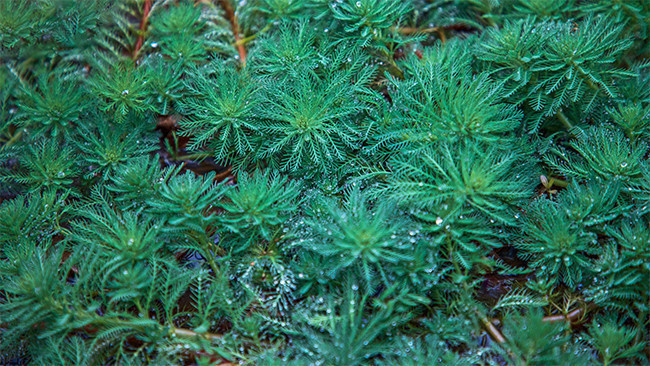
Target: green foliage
[
  {"x": 223, "y": 113},
  {"x": 129, "y": 236},
  {"x": 187, "y": 32},
  {"x": 585, "y": 204},
  {"x": 259, "y": 206},
  {"x": 310, "y": 122},
  {"x": 369, "y": 17},
  {"x": 420, "y": 351},
  {"x": 37, "y": 288},
  {"x": 279, "y": 9},
  {"x": 543, "y": 8},
  {"x": 165, "y": 83},
  {"x": 287, "y": 52},
  {"x": 535, "y": 342},
  {"x": 182, "y": 19},
  {"x": 65, "y": 351},
  {"x": 518, "y": 298},
  {"x": 554, "y": 65},
  {"x": 601, "y": 152},
  {"x": 358, "y": 237},
  {"x": 123, "y": 92},
  {"x": 52, "y": 108},
  {"x": 613, "y": 340},
  {"x": 291, "y": 182},
  {"x": 136, "y": 182},
  {"x": 18, "y": 22},
  {"x": 632, "y": 119},
  {"x": 45, "y": 165},
  {"x": 443, "y": 100},
  {"x": 489, "y": 181},
  {"x": 623, "y": 283},
  {"x": 177, "y": 29},
  {"x": 109, "y": 147},
  {"x": 187, "y": 200},
  {"x": 343, "y": 333},
  {"x": 558, "y": 249},
  {"x": 31, "y": 219}
]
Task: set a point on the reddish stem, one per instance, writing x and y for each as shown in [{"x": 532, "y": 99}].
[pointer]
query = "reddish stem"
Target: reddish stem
[
  {"x": 223, "y": 175},
  {"x": 232, "y": 18},
  {"x": 571, "y": 317},
  {"x": 143, "y": 27}
]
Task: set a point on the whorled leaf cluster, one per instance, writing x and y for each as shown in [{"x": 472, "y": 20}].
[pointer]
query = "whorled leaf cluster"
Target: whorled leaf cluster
[{"x": 324, "y": 182}]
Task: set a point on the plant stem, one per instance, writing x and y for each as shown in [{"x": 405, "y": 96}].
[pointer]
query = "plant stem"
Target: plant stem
[
  {"x": 232, "y": 18},
  {"x": 559, "y": 182},
  {"x": 181, "y": 332},
  {"x": 245, "y": 40},
  {"x": 209, "y": 255},
  {"x": 563, "y": 118},
  {"x": 194, "y": 156},
  {"x": 414, "y": 30},
  {"x": 146, "y": 10},
  {"x": 13, "y": 139},
  {"x": 569, "y": 317},
  {"x": 491, "y": 329}
]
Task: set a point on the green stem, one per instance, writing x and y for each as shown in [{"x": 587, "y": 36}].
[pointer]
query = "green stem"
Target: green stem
[
  {"x": 450, "y": 251},
  {"x": 194, "y": 156},
  {"x": 209, "y": 256},
  {"x": 558, "y": 183},
  {"x": 245, "y": 40},
  {"x": 585, "y": 76},
  {"x": 13, "y": 139},
  {"x": 563, "y": 118},
  {"x": 139, "y": 306},
  {"x": 180, "y": 332}
]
